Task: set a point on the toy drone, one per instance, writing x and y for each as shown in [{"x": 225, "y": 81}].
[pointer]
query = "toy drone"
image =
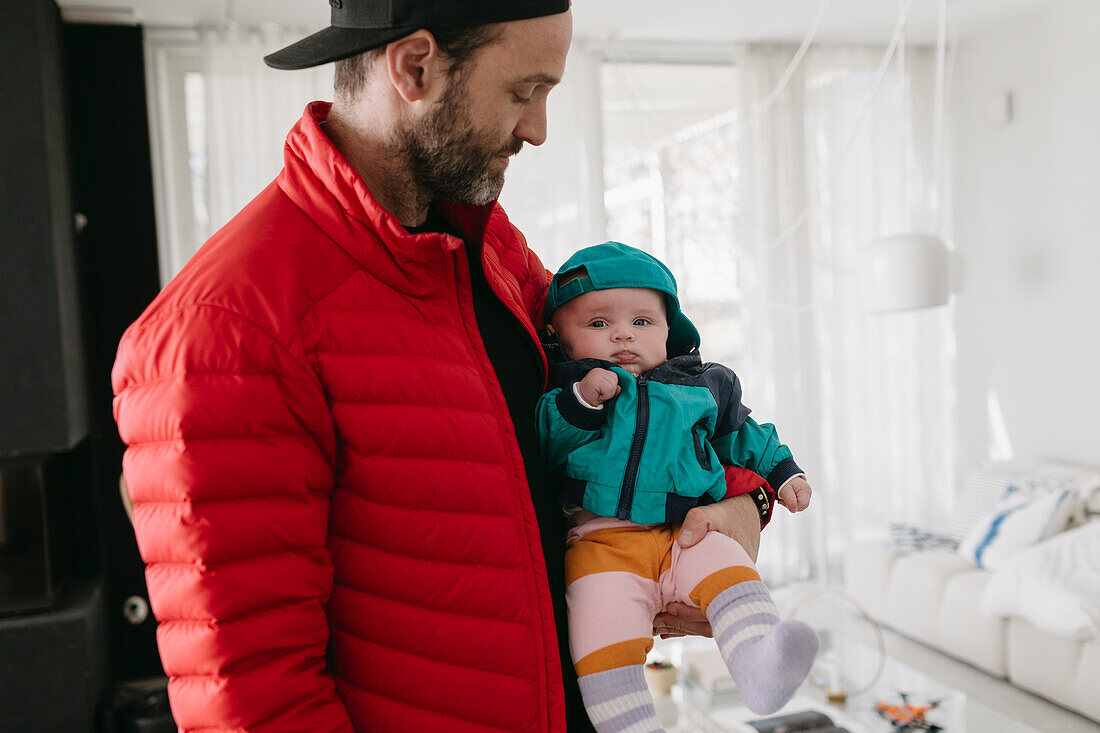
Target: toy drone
[{"x": 907, "y": 716}]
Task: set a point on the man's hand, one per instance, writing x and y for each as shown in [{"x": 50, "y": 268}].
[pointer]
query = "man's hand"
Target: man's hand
[
  {"x": 737, "y": 518},
  {"x": 680, "y": 619},
  {"x": 598, "y": 386},
  {"x": 795, "y": 494},
  {"x": 127, "y": 502}
]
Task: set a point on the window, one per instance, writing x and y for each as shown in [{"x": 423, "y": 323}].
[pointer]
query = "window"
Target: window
[
  {"x": 178, "y": 133},
  {"x": 194, "y": 88},
  {"x": 670, "y": 172}
]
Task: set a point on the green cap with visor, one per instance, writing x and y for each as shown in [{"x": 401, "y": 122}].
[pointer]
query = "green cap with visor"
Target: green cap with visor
[{"x": 616, "y": 265}]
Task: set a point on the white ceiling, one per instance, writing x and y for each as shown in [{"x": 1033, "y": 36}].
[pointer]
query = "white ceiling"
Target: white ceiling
[{"x": 856, "y": 21}]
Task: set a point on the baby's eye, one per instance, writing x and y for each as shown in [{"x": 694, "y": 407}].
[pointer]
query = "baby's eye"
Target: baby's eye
[
  {"x": 598, "y": 323},
  {"x": 641, "y": 321}
]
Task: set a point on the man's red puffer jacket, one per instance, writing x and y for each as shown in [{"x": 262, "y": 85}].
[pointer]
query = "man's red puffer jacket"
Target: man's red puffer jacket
[{"x": 327, "y": 491}]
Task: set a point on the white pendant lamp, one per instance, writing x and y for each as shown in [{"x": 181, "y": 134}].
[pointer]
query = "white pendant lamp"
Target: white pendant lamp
[
  {"x": 914, "y": 270},
  {"x": 905, "y": 272}
]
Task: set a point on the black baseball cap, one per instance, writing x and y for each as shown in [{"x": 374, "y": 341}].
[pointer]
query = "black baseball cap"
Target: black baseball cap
[{"x": 360, "y": 25}]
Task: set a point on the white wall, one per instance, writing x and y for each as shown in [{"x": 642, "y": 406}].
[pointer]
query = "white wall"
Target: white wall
[{"x": 1026, "y": 209}]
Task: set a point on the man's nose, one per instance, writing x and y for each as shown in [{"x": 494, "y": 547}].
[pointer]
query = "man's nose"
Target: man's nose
[{"x": 532, "y": 124}]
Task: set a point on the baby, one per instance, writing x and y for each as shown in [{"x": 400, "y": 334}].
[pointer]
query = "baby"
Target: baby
[{"x": 641, "y": 430}]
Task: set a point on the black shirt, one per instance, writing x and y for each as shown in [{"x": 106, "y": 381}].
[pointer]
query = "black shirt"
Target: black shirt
[{"x": 518, "y": 368}]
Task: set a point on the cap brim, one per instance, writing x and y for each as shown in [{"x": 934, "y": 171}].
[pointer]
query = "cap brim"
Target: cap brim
[
  {"x": 683, "y": 337},
  {"x": 332, "y": 44}
]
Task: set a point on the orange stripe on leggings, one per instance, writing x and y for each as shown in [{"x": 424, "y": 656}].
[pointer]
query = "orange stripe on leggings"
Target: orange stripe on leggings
[
  {"x": 624, "y": 654},
  {"x": 623, "y": 549},
  {"x": 710, "y": 586}
]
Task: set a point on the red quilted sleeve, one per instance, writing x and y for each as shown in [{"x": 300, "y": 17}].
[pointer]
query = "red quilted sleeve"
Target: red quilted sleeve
[
  {"x": 230, "y": 467},
  {"x": 741, "y": 480}
]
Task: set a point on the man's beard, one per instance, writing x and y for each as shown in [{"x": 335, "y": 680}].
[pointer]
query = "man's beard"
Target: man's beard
[{"x": 448, "y": 157}]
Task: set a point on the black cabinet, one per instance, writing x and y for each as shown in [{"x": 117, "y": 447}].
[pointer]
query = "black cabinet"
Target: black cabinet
[
  {"x": 73, "y": 138},
  {"x": 119, "y": 275},
  {"x": 43, "y": 375}
]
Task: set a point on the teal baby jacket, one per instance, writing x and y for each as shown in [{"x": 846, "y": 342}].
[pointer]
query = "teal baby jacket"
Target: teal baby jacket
[{"x": 657, "y": 449}]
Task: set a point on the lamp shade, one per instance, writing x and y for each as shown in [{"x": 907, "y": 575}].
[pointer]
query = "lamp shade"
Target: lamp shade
[{"x": 905, "y": 272}]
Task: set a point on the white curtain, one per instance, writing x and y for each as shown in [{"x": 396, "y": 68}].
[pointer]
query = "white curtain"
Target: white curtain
[
  {"x": 554, "y": 192},
  {"x": 763, "y": 217},
  {"x": 249, "y": 110},
  {"x": 765, "y": 213},
  {"x": 865, "y": 401}
]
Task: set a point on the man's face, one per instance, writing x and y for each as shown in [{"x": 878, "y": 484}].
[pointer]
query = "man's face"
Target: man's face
[
  {"x": 459, "y": 149},
  {"x": 626, "y": 326},
  {"x": 450, "y": 157}
]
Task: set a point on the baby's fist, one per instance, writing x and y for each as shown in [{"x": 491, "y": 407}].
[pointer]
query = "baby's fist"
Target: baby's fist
[
  {"x": 598, "y": 386},
  {"x": 795, "y": 494}
]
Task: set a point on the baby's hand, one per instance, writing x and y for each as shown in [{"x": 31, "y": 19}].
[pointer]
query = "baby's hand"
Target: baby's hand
[
  {"x": 795, "y": 494},
  {"x": 598, "y": 386}
]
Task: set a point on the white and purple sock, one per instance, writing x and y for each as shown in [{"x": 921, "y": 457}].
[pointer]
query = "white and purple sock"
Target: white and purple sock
[
  {"x": 618, "y": 701},
  {"x": 767, "y": 658}
]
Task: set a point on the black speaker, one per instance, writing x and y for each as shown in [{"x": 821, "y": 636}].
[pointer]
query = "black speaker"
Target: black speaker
[
  {"x": 139, "y": 706},
  {"x": 119, "y": 275},
  {"x": 35, "y": 544},
  {"x": 43, "y": 391},
  {"x": 77, "y": 140},
  {"x": 54, "y": 664}
]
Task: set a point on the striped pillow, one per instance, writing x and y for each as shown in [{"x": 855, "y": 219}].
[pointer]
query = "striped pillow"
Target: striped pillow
[
  {"x": 1018, "y": 522},
  {"x": 980, "y": 493},
  {"x": 905, "y": 539}
]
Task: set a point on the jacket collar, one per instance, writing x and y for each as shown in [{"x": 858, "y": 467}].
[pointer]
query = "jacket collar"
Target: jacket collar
[
  {"x": 565, "y": 371},
  {"x": 321, "y": 182}
]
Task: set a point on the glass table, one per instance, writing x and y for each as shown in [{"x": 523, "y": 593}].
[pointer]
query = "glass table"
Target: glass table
[{"x": 705, "y": 699}]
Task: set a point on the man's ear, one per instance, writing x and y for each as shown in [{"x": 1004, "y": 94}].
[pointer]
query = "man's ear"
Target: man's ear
[{"x": 413, "y": 63}]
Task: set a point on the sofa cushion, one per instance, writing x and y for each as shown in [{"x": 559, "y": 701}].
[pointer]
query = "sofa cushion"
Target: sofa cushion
[
  {"x": 916, "y": 592},
  {"x": 867, "y": 567},
  {"x": 929, "y": 596},
  {"x": 1060, "y": 669},
  {"x": 1054, "y": 585},
  {"x": 963, "y": 632}
]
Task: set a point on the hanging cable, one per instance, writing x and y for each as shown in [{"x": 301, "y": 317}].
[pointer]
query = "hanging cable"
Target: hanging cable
[
  {"x": 938, "y": 117},
  {"x": 732, "y": 117},
  {"x": 811, "y": 207},
  {"x": 796, "y": 61}
]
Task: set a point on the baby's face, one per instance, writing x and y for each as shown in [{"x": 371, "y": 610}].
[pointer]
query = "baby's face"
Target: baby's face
[{"x": 626, "y": 326}]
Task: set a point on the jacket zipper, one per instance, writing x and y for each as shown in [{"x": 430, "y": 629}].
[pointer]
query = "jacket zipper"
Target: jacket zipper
[{"x": 630, "y": 477}]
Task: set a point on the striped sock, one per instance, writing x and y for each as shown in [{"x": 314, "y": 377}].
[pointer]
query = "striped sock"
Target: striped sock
[
  {"x": 618, "y": 701},
  {"x": 768, "y": 659}
]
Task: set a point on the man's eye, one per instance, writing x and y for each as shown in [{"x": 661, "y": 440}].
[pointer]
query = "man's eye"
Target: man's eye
[{"x": 520, "y": 99}]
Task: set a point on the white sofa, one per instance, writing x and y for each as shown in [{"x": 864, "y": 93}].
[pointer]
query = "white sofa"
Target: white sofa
[{"x": 936, "y": 598}]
